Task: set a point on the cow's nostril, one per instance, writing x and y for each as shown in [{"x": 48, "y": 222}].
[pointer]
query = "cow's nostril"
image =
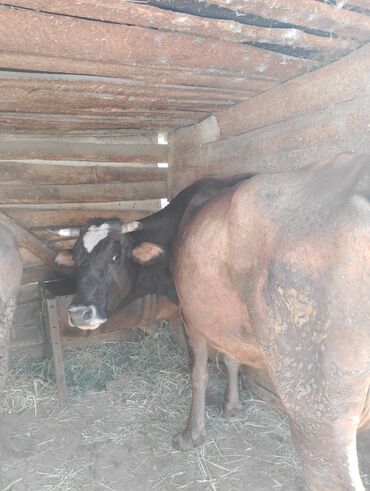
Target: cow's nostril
[{"x": 87, "y": 315}]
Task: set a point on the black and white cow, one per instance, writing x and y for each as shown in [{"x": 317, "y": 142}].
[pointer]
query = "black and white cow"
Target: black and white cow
[{"x": 116, "y": 263}]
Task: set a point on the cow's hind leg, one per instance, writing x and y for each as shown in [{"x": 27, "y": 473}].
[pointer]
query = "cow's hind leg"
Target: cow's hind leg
[
  {"x": 194, "y": 433},
  {"x": 232, "y": 405},
  {"x": 328, "y": 455}
]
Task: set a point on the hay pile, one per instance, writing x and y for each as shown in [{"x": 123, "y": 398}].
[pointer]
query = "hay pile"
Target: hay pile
[{"x": 121, "y": 438}]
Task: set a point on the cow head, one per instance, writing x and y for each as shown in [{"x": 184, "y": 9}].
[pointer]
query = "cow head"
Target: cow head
[{"x": 105, "y": 259}]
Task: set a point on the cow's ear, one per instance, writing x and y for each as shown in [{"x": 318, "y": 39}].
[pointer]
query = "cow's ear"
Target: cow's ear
[
  {"x": 64, "y": 259},
  {"x": 146, "y": 252}
]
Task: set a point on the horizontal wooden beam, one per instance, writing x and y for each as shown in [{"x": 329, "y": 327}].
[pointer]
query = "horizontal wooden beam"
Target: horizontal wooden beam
[
  {"x": 27, "y": 240},
  {"x": 95, "y": 105},
  {"x": 81, "y": 193},
  {"x": 165, "y": 76},
  {"x": 106, "y": 136},
  {"x": 293, "y": 143},
  {"x": 28, "y": 258},
  {"x": 167, "y": 20},
  {"x": 60, "y": 124},
  {"x": 338, "y": 82},
  {"x": 27, "y": 85},
  {"x": 53, "y": 150},
  {"x": 306, "y": 13},
  {"x": 64, "y": 38},
  {"x": 38, "y": 219},
  {"x": 44, "y": 173},
  {"x": 145, "y": 205}
]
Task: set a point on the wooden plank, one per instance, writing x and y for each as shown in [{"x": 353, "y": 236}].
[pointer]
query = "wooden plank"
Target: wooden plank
[
  {"x": 28, "y": 294},
  {"x": 144, "y": 205},
  {"x": 28, "y": 314},
  {"x": 105, "y": 136},
  {"x": 332, "y": 84},
  {"x": 157, "y": 18},
  {"x": 23, "y": 148},
  {"x": 164, "y": 77},
  {"x": 189, "y": 137},
  {"x": 307, "y": 13},
  {"x": 75, "y": 39},
  {"x": 26, "y": 239},
  {"x": 55, "y": 340},
  {"x": 93, "y": 104},
  {"x": 29, "y": 259},
  {"x": 81, "y": 193},
  {"x": 37, "y": 87},
  {"x": 36, "y": 219},
  {"x": 293, "y": 143},
  {"x": 40, "y": 173},
  {"x": 60, "y": 244},
  {"x": 65, "y": 124}
]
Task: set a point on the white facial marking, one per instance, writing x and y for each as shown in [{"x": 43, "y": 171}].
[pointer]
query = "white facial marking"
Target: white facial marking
[
  {"x": 353, "y": 466},
  {"x": 94, "y": 235}
]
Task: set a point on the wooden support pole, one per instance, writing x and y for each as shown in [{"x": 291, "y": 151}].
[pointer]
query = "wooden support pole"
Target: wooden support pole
[{"x": 56, "y": 348}]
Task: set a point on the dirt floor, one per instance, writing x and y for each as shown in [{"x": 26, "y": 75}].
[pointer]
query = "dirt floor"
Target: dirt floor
[{"x": 126, "y": 403}]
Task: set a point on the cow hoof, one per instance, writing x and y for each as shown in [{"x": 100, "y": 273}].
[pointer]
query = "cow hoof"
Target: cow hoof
[
  {"x": 232, "y": 411},
  {"x": 184, "y": 441}
]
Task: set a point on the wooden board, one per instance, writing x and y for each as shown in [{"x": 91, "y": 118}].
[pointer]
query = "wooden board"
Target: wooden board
[
  {"x": 55, "y": 341},
  {"x": 60, "y": 124},
  {"x": 24, "y": 148},
  {"x": 16, "y": 172},
  {"x": 27, "y": 294},
  {"x": 81, "y": 193},
  {"x": 332, "y": 84},
  {"x": 38, "y": 219},
  {"x": 289, "y": 144},
  {"x": 72, "y": 38},
  {"x": 157, "y": 18},
  {"x": 163, "y": 77},
  {"x": 38, "y": 86}
]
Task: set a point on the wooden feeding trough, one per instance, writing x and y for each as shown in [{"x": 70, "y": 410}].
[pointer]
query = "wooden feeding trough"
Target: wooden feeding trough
[{"x": 55, "y": 297}]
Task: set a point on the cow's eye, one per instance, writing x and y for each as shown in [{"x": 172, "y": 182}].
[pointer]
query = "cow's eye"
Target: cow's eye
[{"x": 115, "y": 258}]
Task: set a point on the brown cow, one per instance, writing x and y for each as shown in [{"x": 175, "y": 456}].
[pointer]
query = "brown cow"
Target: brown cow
[
  {"x": 276, "y": 274},
  {"x": 10, "y": 279}
]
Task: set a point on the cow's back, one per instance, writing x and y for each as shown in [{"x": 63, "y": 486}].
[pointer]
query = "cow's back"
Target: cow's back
[{"x": 309, "y": 298}]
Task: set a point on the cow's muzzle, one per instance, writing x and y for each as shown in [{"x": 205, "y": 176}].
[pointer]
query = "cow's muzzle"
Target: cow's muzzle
[{"x": 84, "y": 317}]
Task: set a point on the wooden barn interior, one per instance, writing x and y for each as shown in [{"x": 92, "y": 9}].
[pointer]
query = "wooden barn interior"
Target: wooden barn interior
[{"x": 109, "y": 108}]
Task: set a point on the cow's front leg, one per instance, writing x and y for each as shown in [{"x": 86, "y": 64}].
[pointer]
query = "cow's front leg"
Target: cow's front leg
[
  {"x": 194, "y": 433},
  {"x": 232, "y": 405}
]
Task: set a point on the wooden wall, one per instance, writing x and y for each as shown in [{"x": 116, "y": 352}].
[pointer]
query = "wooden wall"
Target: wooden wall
[
  {"x": 48, "y": 182},
  {"x": 309, "y": 118}
]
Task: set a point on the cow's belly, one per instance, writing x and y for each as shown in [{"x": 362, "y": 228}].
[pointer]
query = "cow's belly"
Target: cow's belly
[{"x": 221, "y": 317}]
